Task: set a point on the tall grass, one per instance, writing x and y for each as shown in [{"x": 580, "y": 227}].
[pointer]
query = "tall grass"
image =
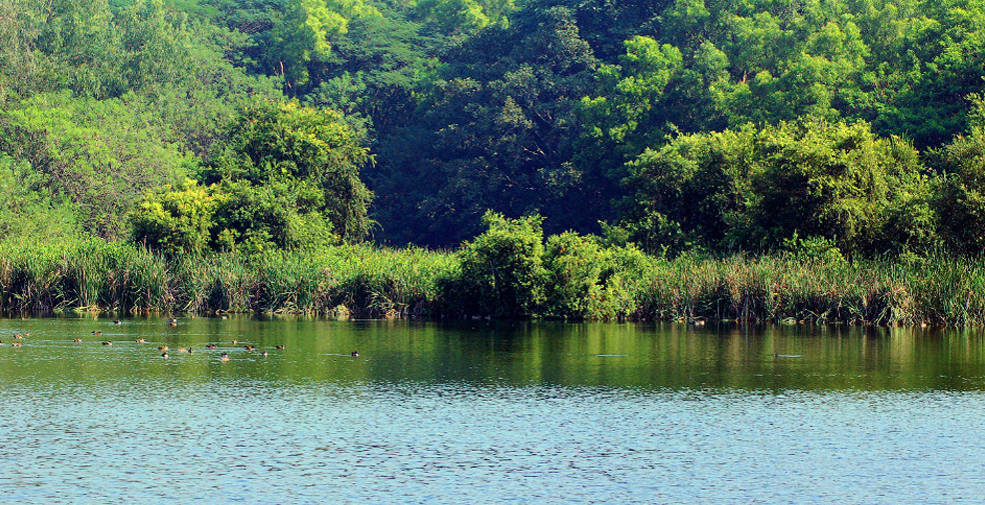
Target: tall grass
[
  {"x": 935, "y": 291},
  {"x": 363, "y": 281}
]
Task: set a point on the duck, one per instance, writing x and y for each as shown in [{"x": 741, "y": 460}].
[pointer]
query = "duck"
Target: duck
[
  {"x": 181, "y": 349},
  {"x": 173, "y": 321},
  {"x": 78, "y": 340},
  {"x": 279, "y": 347},
  {"x": 117, "y": 321},
  {"x": 232, "y": 342},
  {"x": 354, "y": 354},
  {"x": 190, "y": 350},
  {"x": 108, "y": 342},
  {"x": 18, "y": 335},
  {"x": 165, "y": 355},
  {"x": 249, "y": 347},
  {"x": 94, "y": 332},
  {"x": 211, "y": 346},
  {"x": 140, "y": 341},
  {"x": 224, "y": 357},
  {"x": 16, "y": 344},
  {"x": 264, "y": 353},
  {"x": 162, "y": 348}
]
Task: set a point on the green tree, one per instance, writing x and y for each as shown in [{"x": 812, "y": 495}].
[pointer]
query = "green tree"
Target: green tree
[
  {"x": 301, "y": 42},
  {"x": 294, "y": 161},
  {"x": 31, "y": 212},
  {"x": 691, "y": 192},
  {"x": 493, "y": 132},
  {"x": 176, "y": 220},
  {"x": 836, "y": 181},
  {"x": 502, "y": 269},
  {"x": 99, "y": 154},
  {"x": 585, "y": 280},
  {"x": 961, "y": 187},
  {"x": 453, "y": 16},
  {"x": 754, "y": 188}
]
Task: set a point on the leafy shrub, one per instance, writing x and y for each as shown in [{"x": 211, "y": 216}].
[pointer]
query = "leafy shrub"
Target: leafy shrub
[{"x": 502, "y": 269}]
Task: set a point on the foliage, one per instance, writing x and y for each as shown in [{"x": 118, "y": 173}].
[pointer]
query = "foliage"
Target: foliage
[
  {"x": 362, "y": 281},
  {"x": 502, "y": 269},
  {"x": 452, "y": 16},
  {"x": 961, "y": 193},
  {"x": 99, "y": 154},
  {"x": 176, "y": 220},
  {"x": 753, "y": 189},
  {"x": 585, "y": 280},
  {"x": 492, "y": 133},
  {"x": 31, "y": 213},
  {"x": 690, "y": 125},
  {"x": 291, "y": 171}
]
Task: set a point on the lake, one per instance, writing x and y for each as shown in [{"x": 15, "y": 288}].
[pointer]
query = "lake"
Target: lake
[{"x": 486, "y": 412}]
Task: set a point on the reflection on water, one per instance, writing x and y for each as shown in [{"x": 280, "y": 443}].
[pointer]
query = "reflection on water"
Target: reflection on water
[
  {"x": 611, "y": 355},
  {"x": 488, "y": 413}
]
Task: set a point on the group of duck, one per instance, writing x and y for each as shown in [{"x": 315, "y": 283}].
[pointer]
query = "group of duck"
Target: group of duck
[
  {"x": 189, "y": 350},
  {"x": 17, "y": 339},
  {"x": 165, "y": 354}
]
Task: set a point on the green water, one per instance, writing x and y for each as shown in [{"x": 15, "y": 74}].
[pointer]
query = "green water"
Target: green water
[{"x": 481, "y": 412}]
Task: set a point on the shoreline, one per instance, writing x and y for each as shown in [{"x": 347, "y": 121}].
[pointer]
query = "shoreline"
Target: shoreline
[{"x": 358, "y": 282}]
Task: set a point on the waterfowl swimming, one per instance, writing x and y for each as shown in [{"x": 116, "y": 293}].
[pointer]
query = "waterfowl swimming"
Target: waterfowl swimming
[
  {"x": 279, "y": 347},
  {"x": 264, "y": 353},
  {"x": 354, "y": 354},
  {"x": 181, "y": 349},
  {"x": 224, "y": 357},
  {"x": 107, "y": 343},
  {"x": 162, "y": 348},
  {"x": 140, "y": 341},
  {"x": 94, "y": 332},
  {"x": 232, "y": 342},
  {"x": 117, "y": 322},
  {"x": 249, "y": 347},
  {"x": 18, "y": 335},
  {"x": 78, "y": 340},
  {"x": 190, "y": 350},
  {"x": 173, "y": 321},
  {"x": 165, "y": 355},
  {"x": 211, "y": 346},
  {"x": 16, "y": 344}
]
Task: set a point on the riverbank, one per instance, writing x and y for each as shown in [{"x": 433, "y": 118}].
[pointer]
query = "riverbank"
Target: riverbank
[{"x": 614, "y": 284}]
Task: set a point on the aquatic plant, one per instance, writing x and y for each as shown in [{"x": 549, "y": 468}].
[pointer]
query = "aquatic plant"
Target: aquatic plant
[{"x": 583, "y": 280}]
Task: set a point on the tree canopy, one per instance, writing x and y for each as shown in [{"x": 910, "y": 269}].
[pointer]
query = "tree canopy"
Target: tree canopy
[{"x": 673, "y": 124}]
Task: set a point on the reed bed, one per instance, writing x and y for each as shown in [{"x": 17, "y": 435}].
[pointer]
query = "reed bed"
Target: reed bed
[
  {"x": 937, "y": 291},
  {"x": 363, "y": 281}
]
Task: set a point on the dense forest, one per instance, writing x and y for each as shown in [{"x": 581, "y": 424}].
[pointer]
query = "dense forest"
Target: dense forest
[
  {"x": 845, "y": 128},
  {"x": 196, "y": 125}
]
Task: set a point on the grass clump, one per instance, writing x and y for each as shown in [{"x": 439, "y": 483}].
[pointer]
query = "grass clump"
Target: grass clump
[{"x": 512, "y": 272}]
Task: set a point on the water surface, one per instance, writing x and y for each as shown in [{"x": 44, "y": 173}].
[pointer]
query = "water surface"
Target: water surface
[{"x": 488, "y": 413}]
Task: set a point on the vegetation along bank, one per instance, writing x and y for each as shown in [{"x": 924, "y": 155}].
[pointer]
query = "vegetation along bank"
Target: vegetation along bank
[{"x": 676, "y": 159}]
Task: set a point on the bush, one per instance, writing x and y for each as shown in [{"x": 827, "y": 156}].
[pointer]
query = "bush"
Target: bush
[
  {"x": 502, "y": 272},
  {"x": 175, "y": 221}
]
